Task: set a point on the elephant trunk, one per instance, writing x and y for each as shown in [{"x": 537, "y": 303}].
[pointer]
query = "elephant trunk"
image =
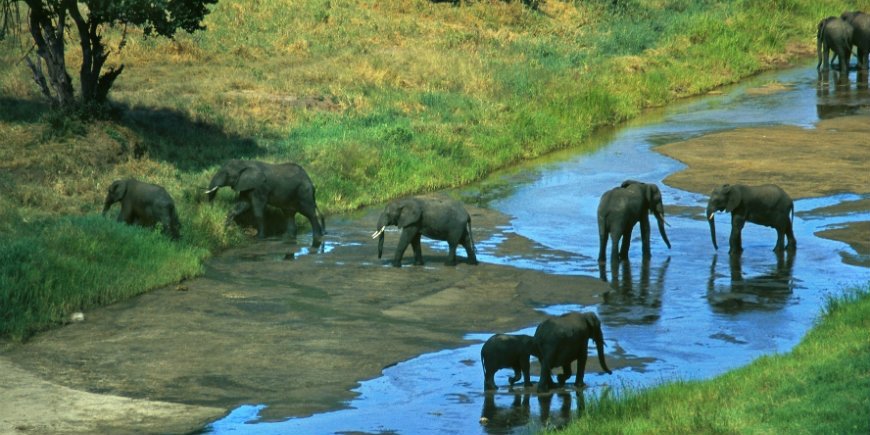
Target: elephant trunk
[
  {"x": 660, "y": 217},
  {"x": 107, "y": 205},
  {"x": 710, "y": 212},
  {"x": 599, "y": 345}
]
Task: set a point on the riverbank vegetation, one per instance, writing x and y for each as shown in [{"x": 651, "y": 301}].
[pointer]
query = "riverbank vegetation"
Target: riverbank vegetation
[
  {"x": 375, "y": 99},
  {"x": 821, "y": 386}
]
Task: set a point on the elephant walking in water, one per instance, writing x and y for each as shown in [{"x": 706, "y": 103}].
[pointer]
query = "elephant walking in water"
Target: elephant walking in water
[
  {"x": 434, "y": 217},
  {"x": 285, "y": 186},
  {"x": 144, "y": 204},
  {"x": 503, "y": 351},
  {"x": 563, "y": 339},
  {"x": 766, "y": 205},
  {"x": 834, "y": 35},
  {"x": 623, "y": 207}
]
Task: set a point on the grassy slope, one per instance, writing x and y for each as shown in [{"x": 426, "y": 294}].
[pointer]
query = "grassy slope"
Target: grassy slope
[
  {"x": 376, "y": 99},
  {"x": 822, "y": 386}
]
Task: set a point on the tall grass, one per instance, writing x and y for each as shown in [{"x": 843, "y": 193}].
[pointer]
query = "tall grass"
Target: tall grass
[
  {"x": 70, "y": 264},
  {"x": 376, "y": 99},
  {"x": 822, "y": 386}
]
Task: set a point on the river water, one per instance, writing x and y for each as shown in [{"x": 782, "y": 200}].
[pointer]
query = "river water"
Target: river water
[{"x": 688, "y": 312}]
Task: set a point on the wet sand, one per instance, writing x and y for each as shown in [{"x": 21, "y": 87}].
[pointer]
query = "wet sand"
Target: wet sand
[{"x": 299, "y": 334}]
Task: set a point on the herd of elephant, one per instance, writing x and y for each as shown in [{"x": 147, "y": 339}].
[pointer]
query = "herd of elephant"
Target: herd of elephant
[
  {"x": 838, "y": 35},
  {"x": 558, "y": 341}
]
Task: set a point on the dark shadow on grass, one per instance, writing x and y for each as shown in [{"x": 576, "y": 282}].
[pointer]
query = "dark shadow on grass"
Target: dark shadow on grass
[
  {"x": 188, "y": 144},
  {"x": 22, "y": 111}
]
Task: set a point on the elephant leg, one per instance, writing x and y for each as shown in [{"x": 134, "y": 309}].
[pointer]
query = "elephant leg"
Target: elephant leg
[
  {"x": 404, "y": 240},
  {"x": 489, "y": 379},
  {"x": 451, "y": 254},
  {"x": 565, "y": 375},
  {"x": 310, "y": 213},
  {"x": 546, "y": 380},
  {"x": 290, "y": 226},
  {"x": 602, "y": 246},
  {"x": 259, "y": 205},
  {"x": 645, "y": 236},
  {"x": 581, "y": 363},
  {"x": 126, "y": 215},
  {"x": 614, "y": 247},
  {"x": 517, "y": 375},
  {"x": 469, "y": 250},
  {"x": 735, "y": 242},
  {"x": 792, "y": 243},
  {"x": 780, "y": 239},
  {"x": 526, "y": 370},
  {"x": 626, "y": 244},
  {"x": 418, "y": 250}
]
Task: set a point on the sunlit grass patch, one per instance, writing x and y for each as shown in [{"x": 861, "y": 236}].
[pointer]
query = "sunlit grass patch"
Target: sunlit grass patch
[{"x": 50, "y": 269}]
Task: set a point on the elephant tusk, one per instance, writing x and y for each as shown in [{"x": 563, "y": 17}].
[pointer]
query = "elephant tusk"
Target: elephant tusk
[
  {"x": 212, "y": 190},
  {"x": 711, "y": 217},
  {"x": 379, "y": 232}
]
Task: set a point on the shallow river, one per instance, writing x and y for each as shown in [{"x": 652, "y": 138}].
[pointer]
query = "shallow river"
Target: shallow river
[{"x": 689, "y": 312}]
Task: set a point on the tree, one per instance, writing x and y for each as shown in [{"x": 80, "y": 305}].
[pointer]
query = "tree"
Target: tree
[{"x": 48, "y": 21}]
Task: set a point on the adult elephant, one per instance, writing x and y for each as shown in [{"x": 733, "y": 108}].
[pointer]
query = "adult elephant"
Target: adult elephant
[
  {"x": 285, "y": 186},
  {"x": 860, "y": 23},
  {"x": 144, "y": 204},
  {"x": 434, "y": 217},
  {"x": 563, "y": 339},
  {"x": 505, "y": 351},
  {"x": 623, "y": 207},
  {"x": 834, "y": 35},
  {"x": 766, "y": 205}
]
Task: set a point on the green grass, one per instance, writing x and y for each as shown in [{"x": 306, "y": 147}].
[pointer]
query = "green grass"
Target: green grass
[
  {"x": 821, "y": 386},
  {"x": 376, "y": 99}
]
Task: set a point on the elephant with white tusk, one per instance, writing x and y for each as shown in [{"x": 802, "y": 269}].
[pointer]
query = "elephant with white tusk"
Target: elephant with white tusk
[
  {"x": 434, "y": 217},
  {"x": 766, "y": 205},
  {"x": 285, "y": 186}
]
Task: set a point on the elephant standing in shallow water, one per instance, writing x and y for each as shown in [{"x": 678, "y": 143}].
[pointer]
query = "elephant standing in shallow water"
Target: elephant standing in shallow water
[
  {"x": 285, "y": 186},
  {"x": 766, "y": 205},
  {"x": 834, "y": 35},
  {"x": 144, "y": 204},
  {"x": 503, "y": 351},
  {"x": 434, "y": 217},
  {"x": 563, "y": 339},
  {"x": 620, "y": 209}
]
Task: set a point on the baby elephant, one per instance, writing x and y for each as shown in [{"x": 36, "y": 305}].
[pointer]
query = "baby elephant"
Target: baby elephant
[
  {"x": 435, "y": 217},
  {"x": 144, "y": 204},
  {"x": 504, "y": 351}
]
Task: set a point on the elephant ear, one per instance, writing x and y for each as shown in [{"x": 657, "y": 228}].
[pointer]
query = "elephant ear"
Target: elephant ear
[
  {"x": 411, "y": 213},
  {"x": 118, "y": 189},
  {"x": 250, "y": 178},
  {"x": 734, "y": 198}
]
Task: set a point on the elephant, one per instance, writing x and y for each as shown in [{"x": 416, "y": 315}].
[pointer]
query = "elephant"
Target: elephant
[
  {"x": 620, "y": 209},
  {"x": 860, "y": 23},
  {"x": 434, "y": 217},
  {"x": 766, "y": 205},
  {"x": 284, "y": 185},
  {"x": 144, "y": 204},
  {"x": 503, "y": 351},
  {"x": 834, "y": 35},
  {"x": 563, "y": 339}
]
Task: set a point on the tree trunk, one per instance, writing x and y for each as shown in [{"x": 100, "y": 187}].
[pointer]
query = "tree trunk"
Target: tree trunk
[
  {"x": 95, "y": 88},
  {"x": 50, "y": 51}
]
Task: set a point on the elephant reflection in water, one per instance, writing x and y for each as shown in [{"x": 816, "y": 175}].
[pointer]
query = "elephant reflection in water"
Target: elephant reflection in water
[
  {"x": 501, "y": 419},
  {"x": 770, "y": 290},
  {"x": 839, "y": 98},
  {"x": 564, "y": 417},
  {"x": 633, "y": 302}
]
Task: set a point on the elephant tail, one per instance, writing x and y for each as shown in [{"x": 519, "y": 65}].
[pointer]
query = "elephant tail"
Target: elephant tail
[{"x": 319, "y": 215}]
